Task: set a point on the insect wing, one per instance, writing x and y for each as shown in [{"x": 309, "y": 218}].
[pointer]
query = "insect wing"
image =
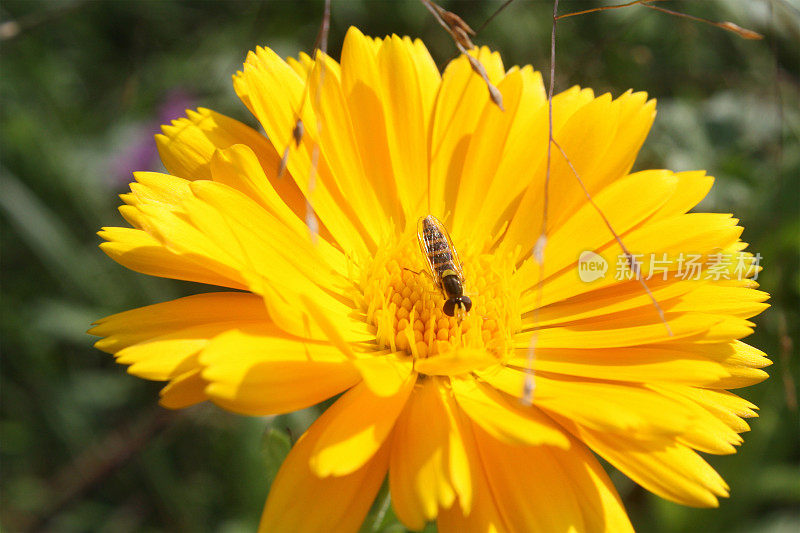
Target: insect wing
[
  {"x": 430, "y": 229},
  {"x": 425, "y": 244},
  {"x": 456, "y": 261}
]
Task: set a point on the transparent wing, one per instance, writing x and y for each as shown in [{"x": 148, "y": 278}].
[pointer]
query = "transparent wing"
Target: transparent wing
[
  {"x": 426, "y": 243},
  {"x": 456, "y": 260},
  {"x": 424, "y": 246}
]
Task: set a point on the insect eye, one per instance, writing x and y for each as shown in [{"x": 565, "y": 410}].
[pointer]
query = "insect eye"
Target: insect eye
[{"x": 450, "y": 305}]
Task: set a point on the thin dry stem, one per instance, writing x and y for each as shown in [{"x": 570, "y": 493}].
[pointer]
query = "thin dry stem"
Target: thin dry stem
[
  {"x": 604, "y": 8},
  {"x": 493, "y": 15},
  {"x": 732, "y": 27},
  {"x": 320, "y": 54},
  {"x": 632, "y": 264},
  {"x": 541, "y": 242},
  {"x": 460, "y": 32},
  {"x": 452, "y": 23},
  {"x": 298, "y": 131},
  {"x": 727, "y": 26}
]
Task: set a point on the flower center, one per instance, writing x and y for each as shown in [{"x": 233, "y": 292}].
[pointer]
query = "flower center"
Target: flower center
[{"x": 405, "y": 304}]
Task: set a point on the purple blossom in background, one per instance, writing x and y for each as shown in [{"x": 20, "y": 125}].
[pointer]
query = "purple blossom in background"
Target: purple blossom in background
[{"x": 141, "y": 152}]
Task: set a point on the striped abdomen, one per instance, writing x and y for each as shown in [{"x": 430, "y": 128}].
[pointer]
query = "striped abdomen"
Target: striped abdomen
[
  {"x": 444, "y": 265},
  {"x": 437, "y": 248}
]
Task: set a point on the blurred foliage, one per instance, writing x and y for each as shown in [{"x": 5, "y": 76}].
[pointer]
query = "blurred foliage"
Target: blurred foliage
[{"x": 84, "y": 86}]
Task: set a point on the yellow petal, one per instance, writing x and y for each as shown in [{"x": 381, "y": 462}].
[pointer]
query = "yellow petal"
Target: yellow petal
[
  {"x": 427, "y": 72},
  {"x": 530, "y": 488},
  {"x": 251, "y": 236},
  {"x": 267, "y": 253},
  {"x": 457, "y": 362},
  {"x": 723, "y": 404},
  {"x": 672, "y": 471},
  {"x": 673, "y": 295},
  {"x": 167, "y": 356},
  {"x": 355, "y": 427},
  {"x": 482, "y": 516},
  {"x": 505, "y": 418},
  {"x": 140, "y": 252},
  {"x": 491, "y": 176},
  {"x": 384, "y": 375},
  {"x": 609, "y": 300},
  {"x": 428, "y": 463},
  {"x": 600, "y": 157},
  {"x": 708, "y": 433},
  {"x": 636, "y": 116},
  {"x": 602, "y": 406},
  {"x": 341, "y": 149},
  {"x": 725, "y": 330},
  {"x": 625, "y": 203},
  {"x": 186, "y": 147},
  {"x": 616, "y": 308},
  {"x": 274, "y": 93},
  {"x": 584, "y": 127},
  {"x": 621, "y": 331},
  {"x": 262, "y": 371},
  {"x": 408, "y": 87},
  {"x": 139, "y": 325},
  {"x": 601, "y": 141},
  {"x": 340, "y": 503},
  {"x": 744, "y": 366},
  {"x": 182, "y": 238},
  {"x": 601, "y": 505},
  {"x": 516, "y": 166},
  {"x": 693, "y": 233},
  {"x": 156, "y": 204},
  {"x": 639, "y": 364},
  {"x": 460, "y": 103},
  {"x": 239, "y": 167},
  {"x": 302, "y": 66},
  {"x": 263, "y": 68},
  {"x": 506, "y": 498},
  {"x": 183, "y": 391},
  {"x": 625, "y": 121},
  {"x": 363, "y": 94},
  {"x": 692, "y": 187},
  {"x": 723, "y": 300},
  {"x": 276, "y": 387},
  {"x": 162, "y": 341},
  {"x": 335, "y": 334},
  {"x": 158, "y": 188}
]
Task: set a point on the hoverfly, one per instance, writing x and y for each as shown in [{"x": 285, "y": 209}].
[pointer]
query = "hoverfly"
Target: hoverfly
[{"x": 443, "y": 264}]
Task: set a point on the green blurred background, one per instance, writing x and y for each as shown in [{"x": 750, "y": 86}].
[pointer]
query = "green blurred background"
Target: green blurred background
[{"x": 85, "y": 85}]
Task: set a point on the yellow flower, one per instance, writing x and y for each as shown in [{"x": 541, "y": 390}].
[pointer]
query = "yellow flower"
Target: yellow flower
[{"x": 331, "y": 294}]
